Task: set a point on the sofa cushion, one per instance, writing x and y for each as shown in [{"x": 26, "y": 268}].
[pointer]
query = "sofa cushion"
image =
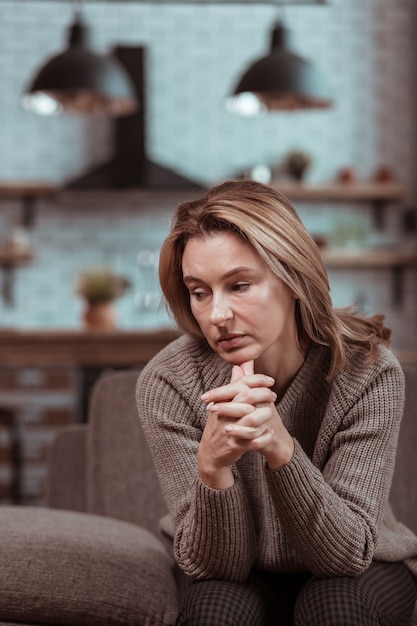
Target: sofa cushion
[{"x": 60, "y": 567}]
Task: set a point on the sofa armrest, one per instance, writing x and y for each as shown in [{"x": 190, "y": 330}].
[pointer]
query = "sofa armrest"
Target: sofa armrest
[
  {"x": 404, "y": 493},
  {"x": 63, "y": 567},
  {"x": 66, "y": 482}
]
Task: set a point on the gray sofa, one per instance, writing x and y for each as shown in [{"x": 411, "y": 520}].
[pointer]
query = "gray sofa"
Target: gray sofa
[{"x": 95, "y": 556}]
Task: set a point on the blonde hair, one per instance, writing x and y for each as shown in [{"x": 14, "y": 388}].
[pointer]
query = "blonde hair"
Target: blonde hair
[{"x": 264, "y": 218}]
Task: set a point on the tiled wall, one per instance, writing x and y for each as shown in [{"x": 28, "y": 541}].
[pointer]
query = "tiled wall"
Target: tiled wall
[{"x": 366, "y": 50}]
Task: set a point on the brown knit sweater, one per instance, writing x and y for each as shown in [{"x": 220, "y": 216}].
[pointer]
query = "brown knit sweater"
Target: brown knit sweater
[{"x": 326, "y": 511}]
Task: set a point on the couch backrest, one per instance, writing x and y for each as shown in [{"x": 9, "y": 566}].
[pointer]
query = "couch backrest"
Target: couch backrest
[{"x": 121, "y": 480}]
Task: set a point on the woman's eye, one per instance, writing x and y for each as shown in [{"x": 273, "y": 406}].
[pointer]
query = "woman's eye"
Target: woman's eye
[
  {"x": 240, "y": 286},
  {"x": 197, "y": 295}
]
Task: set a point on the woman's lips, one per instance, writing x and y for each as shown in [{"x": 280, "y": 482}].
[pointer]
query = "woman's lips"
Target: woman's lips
[{"x": 229, "y": 342}]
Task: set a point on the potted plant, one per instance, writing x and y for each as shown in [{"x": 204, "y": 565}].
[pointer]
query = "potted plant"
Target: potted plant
[
  {"x": 99, "y": 287},
  {"x": 296, "y": 164}
]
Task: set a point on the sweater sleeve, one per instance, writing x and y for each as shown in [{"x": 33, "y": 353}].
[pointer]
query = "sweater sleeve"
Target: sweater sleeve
[
  {"x": 214, "y": 529},
  {"x": 332, "y": 513}
]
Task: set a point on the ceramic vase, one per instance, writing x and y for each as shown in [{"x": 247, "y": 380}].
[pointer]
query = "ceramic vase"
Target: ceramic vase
[{"x": 100, "y": 316}]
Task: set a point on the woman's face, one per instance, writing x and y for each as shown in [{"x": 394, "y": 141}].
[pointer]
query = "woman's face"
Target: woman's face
[{"x": 244, "y": 311}]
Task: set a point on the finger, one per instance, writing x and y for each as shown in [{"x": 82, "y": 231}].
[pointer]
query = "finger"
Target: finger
[
  {"x": 261, "y": 415},
  {"x": 256, "y": 395},
  {"x": 244, "y": 433},
  {"x": 249, "y": 437},
  {"x": 237, "y": 372},
  {"x": 231, "y": 410},
  {"x": 229, "y": 391},
  {"x": 248, "y": 367},
  {"x": 241, "y": 370}
]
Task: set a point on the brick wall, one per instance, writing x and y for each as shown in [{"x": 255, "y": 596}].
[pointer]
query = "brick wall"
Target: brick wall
[{"x": 366, "y": 50}]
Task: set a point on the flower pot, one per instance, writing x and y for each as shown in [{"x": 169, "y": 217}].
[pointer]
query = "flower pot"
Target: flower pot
[{"x": 100, "y": 316}]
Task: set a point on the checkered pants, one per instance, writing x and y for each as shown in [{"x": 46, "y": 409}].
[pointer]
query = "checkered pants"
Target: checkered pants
[{"x": 384, "y": 595}]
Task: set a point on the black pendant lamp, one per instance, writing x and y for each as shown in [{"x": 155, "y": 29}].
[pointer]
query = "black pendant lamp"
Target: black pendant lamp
[
  {"x": 79, "y": 81},
  {"x": 280, "y": 81}
]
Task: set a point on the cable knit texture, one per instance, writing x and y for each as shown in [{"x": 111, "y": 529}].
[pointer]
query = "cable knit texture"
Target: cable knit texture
[{"x": 326, "y": 511}]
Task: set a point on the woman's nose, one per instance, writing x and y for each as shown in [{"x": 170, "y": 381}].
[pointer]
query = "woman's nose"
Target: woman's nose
[{"x": 220, "y": 312}]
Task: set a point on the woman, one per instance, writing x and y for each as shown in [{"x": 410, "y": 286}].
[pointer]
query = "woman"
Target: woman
[{"x": 273, "y": 424}]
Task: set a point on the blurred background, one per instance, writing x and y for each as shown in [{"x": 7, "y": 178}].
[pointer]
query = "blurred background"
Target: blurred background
[{"x": 357, "y": 194}]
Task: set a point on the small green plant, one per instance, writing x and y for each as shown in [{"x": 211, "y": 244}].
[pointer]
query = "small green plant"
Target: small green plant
[{"x": 100, "y": 284}]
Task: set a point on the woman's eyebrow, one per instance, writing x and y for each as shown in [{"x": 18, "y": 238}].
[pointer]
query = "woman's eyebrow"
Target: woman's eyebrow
[
  {"x": 238, "y": 270},
  {"x": 191, "y": 279},
  {"x": 188, "y": 278}
]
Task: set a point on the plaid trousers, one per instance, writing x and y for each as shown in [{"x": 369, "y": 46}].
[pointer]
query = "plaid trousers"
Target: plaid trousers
[{"x": 384, "y": 595}]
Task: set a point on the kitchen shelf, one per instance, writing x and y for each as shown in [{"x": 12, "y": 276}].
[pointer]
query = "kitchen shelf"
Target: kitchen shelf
[
  {"x": 29, "y": 192},
  {"x": 395, "y": 259},
  {"x": 378, "y": 258},
  {"x": 9, "y": 260},
  {"x": 366, "y": 191},
  {"x": 226, "y": 2},
  {"x": 32, "y": 188},
  {"x": 377, "y": 194},
  {"x": 13, "y": 258}
]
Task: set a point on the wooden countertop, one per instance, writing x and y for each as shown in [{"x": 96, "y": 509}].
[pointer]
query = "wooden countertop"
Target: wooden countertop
[
  {"x": 25, "y": 348},
  {"x": 20, "y": 348}
]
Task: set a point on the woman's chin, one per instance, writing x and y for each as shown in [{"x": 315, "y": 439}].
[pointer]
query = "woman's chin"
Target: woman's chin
[{"x": 237, "y": 357}]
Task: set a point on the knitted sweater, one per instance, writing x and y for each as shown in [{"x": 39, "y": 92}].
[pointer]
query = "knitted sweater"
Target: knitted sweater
[{"x": 325, "y": 511}]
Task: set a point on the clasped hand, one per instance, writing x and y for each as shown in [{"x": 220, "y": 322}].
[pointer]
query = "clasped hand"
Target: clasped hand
[{"x": 241, "y": 417}]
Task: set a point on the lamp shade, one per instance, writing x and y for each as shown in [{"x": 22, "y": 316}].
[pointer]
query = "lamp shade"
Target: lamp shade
[
  {"x": 79, "y": 81},
  {"x": 280, "y": 81}
]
